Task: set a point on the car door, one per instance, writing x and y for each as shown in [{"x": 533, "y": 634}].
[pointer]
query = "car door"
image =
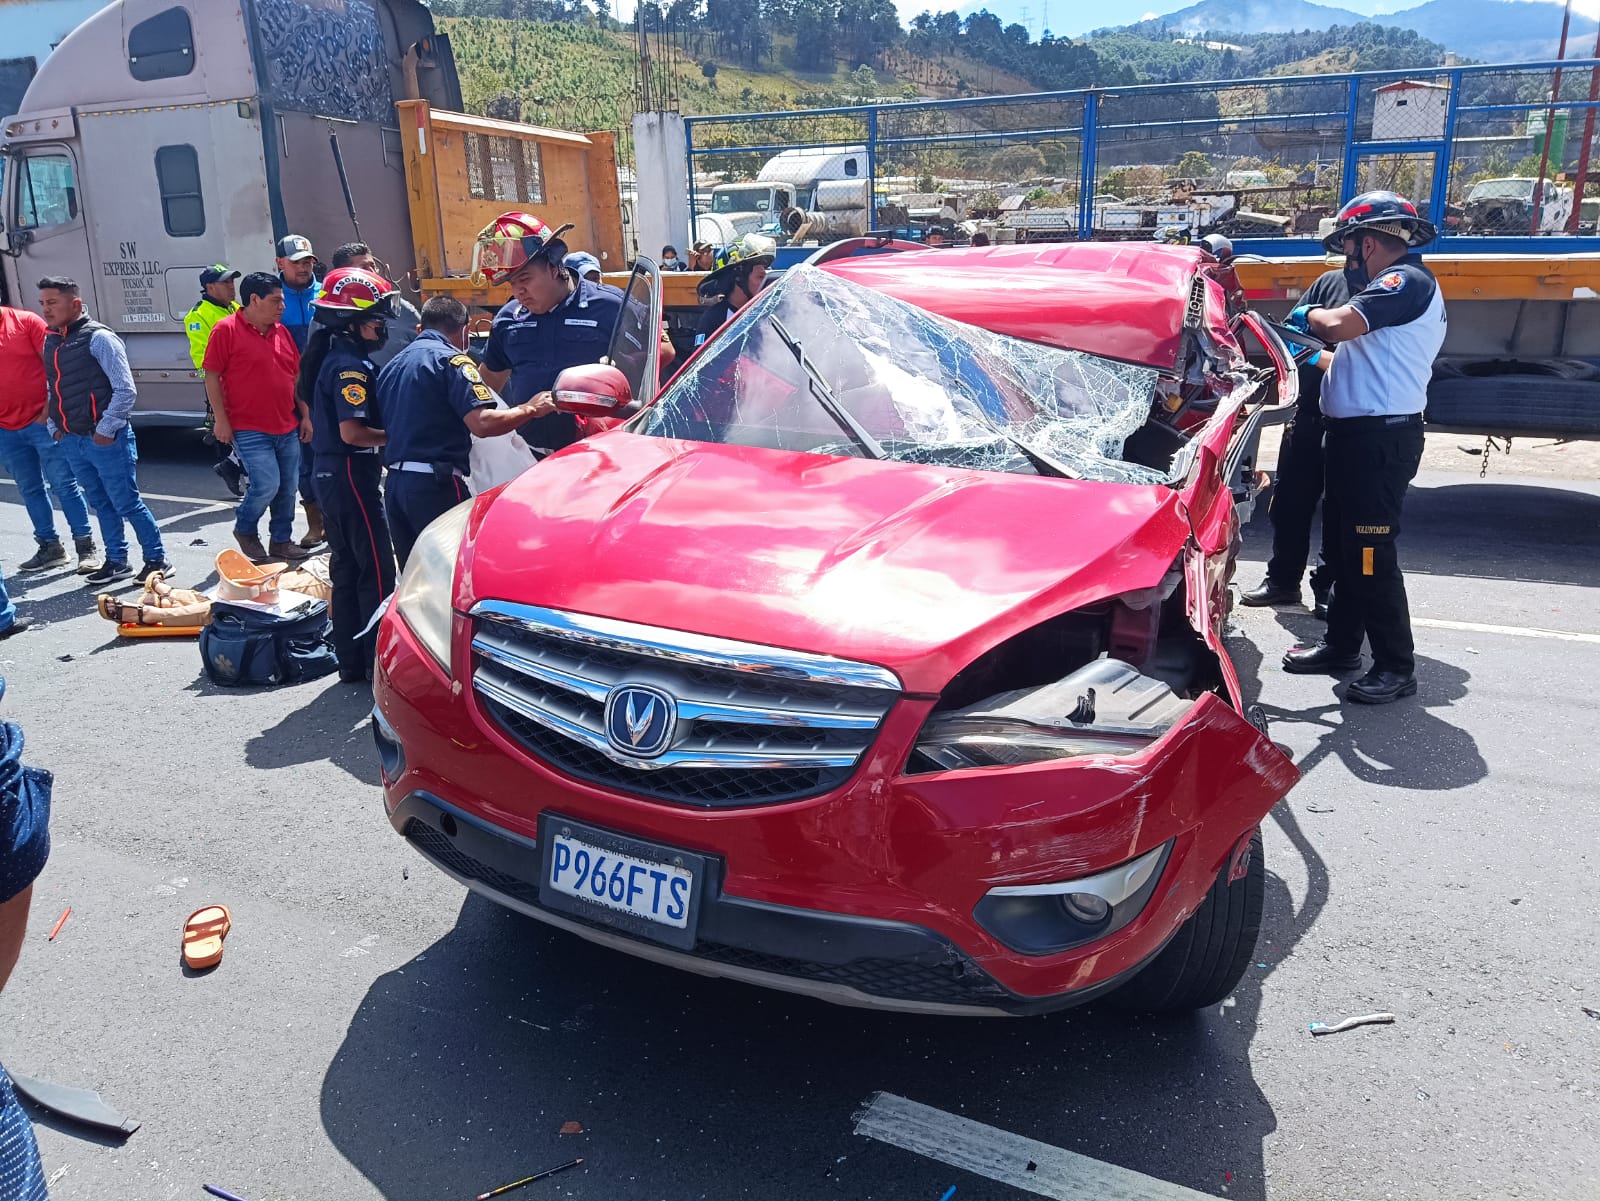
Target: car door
[
  {"x": 44, "y": 221},
  {"x": 635, "y": 347}
]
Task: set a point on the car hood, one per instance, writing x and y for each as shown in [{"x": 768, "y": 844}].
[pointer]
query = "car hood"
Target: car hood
[{"x": 916, "y": 568}]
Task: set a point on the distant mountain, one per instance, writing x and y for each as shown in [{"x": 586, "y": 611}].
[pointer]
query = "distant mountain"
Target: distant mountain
[
  {"x": 1252, "y": 16},
  {"x": 1485, "y": 30},
  {"x": 1497, "y": 31}
]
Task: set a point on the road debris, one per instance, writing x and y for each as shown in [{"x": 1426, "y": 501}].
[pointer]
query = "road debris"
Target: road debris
[
  {"x": 571, "y": 1127},
  {"x": 77, "y": 1104},
  {"x": 1366, "y": 1019},
  {"x": 1319, "y": 808},
  {"x": 60, "y": 921},
  {"x": 516, "y": 1184},
  {"x": 222, "y": 1192},
  {"x": 1594, "y": 1013}
]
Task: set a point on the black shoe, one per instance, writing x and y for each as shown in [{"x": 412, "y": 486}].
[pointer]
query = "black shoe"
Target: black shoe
[
  {"x": 109, "y": 572},
  {"x": 48, "y": 555},
  {"x": 16, "y": 627},
  {"x": 1319, "y": 608},
  {"x": 1271, "y": 593},
  {"x": 1319, "y": 659},
  {"x": 164, "y": 566},
  {"x": 1381, "y": 687},
  {"x": 231, "y": 476},
  {"x": 355, "y": 675}
]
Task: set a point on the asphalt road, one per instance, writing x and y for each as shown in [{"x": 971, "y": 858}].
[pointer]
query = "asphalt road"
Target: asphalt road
[{"x": 376, "y": 1032}]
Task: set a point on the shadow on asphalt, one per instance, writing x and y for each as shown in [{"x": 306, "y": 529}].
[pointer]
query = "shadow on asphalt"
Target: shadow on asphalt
[
  {"x": 459, "y": 1069},
  {"x": 331, "y": 725}
]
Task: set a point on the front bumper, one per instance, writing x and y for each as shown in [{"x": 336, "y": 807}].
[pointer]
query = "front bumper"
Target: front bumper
[
  {"x": 864, "y": 895},
  {"x": 848, "y": 960}
]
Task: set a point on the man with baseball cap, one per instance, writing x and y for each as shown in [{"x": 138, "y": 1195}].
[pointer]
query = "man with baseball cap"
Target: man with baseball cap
[
  {"x": 553, "y": 321},
  {"x": 297, "y": 271},
  {"x": 218, "y": 297}
]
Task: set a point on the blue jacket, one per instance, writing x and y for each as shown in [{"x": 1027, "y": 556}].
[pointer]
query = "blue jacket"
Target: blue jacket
[{"x": 297, "y": 310}]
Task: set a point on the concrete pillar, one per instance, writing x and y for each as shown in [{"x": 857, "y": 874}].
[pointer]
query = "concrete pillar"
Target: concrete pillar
[{"x": 662, "y": 168}]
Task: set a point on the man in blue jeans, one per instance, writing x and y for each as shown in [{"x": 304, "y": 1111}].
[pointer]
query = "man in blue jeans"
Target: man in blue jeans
[
  {"x": 90, "y": 397},
  {"x": 28, "y": 451},
  {"x": 250, "y": 367}
]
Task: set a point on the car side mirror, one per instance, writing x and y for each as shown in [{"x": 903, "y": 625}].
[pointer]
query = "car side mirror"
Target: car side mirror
[{"x": 593, "y": 390}]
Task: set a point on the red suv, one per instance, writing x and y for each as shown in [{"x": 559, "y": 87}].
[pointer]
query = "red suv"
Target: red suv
[{"x": 878, "y": 657}]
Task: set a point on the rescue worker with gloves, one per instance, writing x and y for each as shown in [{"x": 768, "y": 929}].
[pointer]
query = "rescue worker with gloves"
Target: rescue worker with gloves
[
  {"x": 1388, "y": 335},
  {"x": 339, "y": 383},
  {"x": 433, "y": 399},
  {"x": 1297, "y": 488},
  {"x": 553, "y": 321},
  {"x": 740, "y": 271}
]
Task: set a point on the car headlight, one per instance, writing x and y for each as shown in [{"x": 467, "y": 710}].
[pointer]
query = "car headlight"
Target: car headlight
[
  {"x": 951, "y": 745},
  {"x": 422, "y": 597}
]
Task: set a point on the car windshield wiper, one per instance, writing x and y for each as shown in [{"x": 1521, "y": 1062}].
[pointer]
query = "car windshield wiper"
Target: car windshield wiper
[
  {"x": 865, "y": 442},
  {"x": 1044, "y": 463}
]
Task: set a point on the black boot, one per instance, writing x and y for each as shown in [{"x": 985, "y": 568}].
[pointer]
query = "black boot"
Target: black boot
[
  {"x": 1381, "y": 687},
  {"x": 1320, "y": 659},
  {"x": 1271, "y": 593}
]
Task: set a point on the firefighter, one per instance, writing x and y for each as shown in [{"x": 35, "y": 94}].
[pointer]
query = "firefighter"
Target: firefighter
[
  {"x": 339, "y": 383},
  {"x": 433, "y": 402},
  {"x": 1388, "y": 335},
  {"x": 740, "y": 272},
  {"x": 553, "y": 321}
]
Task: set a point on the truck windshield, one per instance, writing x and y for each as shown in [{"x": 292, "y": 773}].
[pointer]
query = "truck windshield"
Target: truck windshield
[
  {"x": 922, "y": 388},
  {"x": 1502, "y": 189},
  {"x": 741, "y": 200}
]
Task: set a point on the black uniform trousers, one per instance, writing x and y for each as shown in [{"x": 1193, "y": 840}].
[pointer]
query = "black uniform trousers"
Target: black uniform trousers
[
  {"x": 1370, "y": 461},
  {"x": 1296, "y": 493},
  {"x": 350, "y": 490},
  {"x": 415, "y": 498}
]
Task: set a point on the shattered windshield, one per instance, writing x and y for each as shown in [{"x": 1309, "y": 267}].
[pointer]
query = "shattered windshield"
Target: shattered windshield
[
  {"x": 922, "y": 388},
  {"x": 1502, "y": 189}
]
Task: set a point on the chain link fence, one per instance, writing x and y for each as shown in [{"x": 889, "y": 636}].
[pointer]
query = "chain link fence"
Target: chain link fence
[{"x": 1486, "y": 151}]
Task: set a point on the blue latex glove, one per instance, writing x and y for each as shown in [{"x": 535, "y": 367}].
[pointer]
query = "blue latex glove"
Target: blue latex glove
[{"x": 1297, "y": 319}]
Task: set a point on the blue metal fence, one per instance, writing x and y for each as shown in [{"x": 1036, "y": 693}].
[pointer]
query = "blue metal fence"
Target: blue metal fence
[{"x": 1274, "y": 155}]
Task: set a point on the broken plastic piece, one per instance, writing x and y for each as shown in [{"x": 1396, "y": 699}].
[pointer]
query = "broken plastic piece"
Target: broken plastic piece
[
  {"x": 516, "y": 1184},
  {"x": 60, "y": 921},
  {"x": 1367, "y": 1019},
  {"x": 76, "y": 1104},
  {"x": 221, "y": 1192},
  {"x": 571, "y": 1127}
]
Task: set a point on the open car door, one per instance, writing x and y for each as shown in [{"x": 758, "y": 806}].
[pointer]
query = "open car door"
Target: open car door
[{"x": 636, "y": 338}]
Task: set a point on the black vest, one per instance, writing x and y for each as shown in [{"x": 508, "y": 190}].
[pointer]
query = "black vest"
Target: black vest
[{"x": 79, "y": 390}]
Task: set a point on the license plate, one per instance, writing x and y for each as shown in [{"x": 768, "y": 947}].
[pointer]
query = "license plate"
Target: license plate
[{"x": 636, "y": 886}]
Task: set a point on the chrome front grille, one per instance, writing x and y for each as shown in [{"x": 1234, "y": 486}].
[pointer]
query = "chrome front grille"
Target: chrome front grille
[{"x": 747, "y": 725}]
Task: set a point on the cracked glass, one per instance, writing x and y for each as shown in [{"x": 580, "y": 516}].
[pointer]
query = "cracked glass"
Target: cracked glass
[{"x": 922, "y": 389}]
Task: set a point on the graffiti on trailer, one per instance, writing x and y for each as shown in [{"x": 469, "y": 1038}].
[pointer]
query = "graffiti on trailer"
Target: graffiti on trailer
[{"x": 327, "y": 62}]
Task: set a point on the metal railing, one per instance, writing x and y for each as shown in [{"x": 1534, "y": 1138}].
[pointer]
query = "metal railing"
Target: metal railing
[{"x": 1264, "y": 161}]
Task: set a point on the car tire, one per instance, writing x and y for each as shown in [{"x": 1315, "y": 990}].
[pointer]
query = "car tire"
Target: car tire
[
  {"x": 1486, "y": 368},
  {"x": 1516, "y": 405},
  {"x": 1210, "y": 952}
]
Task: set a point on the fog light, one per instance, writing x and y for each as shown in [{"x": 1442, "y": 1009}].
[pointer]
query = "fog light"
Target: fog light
[{"x": 1085, "y": 907}]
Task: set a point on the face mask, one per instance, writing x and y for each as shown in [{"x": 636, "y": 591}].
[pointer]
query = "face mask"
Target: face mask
[
  {"x": 1356, "y": 274},
  {"x": 379, "y": 337}
]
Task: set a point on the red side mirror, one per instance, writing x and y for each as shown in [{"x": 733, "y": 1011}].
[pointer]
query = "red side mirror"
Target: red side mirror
[{"x": 592, "y": 390}]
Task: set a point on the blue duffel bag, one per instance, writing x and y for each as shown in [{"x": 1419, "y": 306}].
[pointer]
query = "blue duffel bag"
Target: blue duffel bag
[{"x": 246, "y": 647}]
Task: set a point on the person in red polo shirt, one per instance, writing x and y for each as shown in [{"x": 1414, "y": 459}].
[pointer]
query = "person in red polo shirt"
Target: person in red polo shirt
[
  {"x": 250, "y": 366},
  {"x": 28, "y": 451}
]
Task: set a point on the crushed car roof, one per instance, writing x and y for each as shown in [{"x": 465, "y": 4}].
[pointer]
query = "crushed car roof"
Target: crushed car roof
[{"x": 1120, "y": 300}]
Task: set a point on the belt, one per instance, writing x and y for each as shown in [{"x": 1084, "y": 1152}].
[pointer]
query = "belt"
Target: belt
[
  {"x": 428, "y": 468},
  {"x": 1393, "y": 421}
]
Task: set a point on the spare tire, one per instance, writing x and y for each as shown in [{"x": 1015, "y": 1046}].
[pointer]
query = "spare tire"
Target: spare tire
[
  {"x": 1516, "y": 404},
  {"x": 1457, "y": 368}
]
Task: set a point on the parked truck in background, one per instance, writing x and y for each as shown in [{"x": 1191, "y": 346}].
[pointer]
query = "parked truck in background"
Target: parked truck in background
[
  {"x": 1506, "y": 207},
  {"x": 162, "y": 136},
  {"x": 791, "y": 190}
]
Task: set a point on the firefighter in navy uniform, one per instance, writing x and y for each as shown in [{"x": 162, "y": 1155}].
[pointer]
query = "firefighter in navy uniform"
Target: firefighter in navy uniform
[
  {"x": 740, "y": 272},
  {"x": 553, "y": 321},
  {"x": 339, "y": 383},
  {"x": 433, "y": 398},
  {"x": 1297, "y": 490},
  {"x": 1388, "y": 334}
]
